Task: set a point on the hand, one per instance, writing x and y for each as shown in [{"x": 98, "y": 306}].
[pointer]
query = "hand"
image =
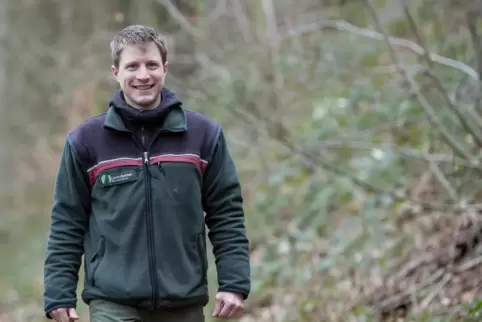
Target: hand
[
  {"x": 64, "y": 315},
  {"x": 228, "y": 304}
]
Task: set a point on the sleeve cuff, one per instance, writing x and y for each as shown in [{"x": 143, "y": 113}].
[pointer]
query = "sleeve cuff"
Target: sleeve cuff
[{"x": 244, "y": 294}]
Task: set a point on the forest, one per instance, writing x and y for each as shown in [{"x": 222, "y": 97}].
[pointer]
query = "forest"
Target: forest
[{"x": 355, "y": 125}]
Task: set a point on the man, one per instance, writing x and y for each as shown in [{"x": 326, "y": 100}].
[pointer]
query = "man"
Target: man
[{"x": 130, "y": 195}]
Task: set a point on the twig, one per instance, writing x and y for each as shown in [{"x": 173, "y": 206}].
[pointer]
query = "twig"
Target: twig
[
  {"x": 342, "y": 25},
  {"x": 180, "y": 18},
  {"x": 428, "y": 109},
  {"x": 464, "y": 120},
  {"x": 243, "y": 22},
  {"x": 472, "y": 18},
  {"x": 421, "y": 184},
  {"x": 395, "y": 301},
  {"x": 218, "y": 11},
  {"x": 426, "y": 301},
  {"x": 273, "y": 39},
  {"x": 443, "y": 181},
  {"x": 403, "y": 151},
  {"x": 474, "y": 132},
  {"x": 314, "y": 161},
  {"x": 414, "y": 28},
  {"x": 410, "y": 267},
  {"x": 469, "y": 264}
]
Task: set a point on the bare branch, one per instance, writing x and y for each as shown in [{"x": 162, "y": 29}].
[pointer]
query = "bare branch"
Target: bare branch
[
  {"x": 474, "y": 132},
  {"x": 273, "y": 39},
  {"x": 243, "y": 22},
  {"x": 271, "y": 25},
  {"x": 428, "y": 109},
  {"x": 443, "y": 181},
  {"x": 313, "y": 160},
  {"x": 436, "y": 290},
  {"x": 218, "y": 11},
  {"x": 472, "y": 19},
  {"x": 414, "y": 28},
  {"x": 368, "y": 33},
  {"x": 180, "y": 18},
  {"x": 464, "y": 120},
  {"x": 403, "y": 151}
]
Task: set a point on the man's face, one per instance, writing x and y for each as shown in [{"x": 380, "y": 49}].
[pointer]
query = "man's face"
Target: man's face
[{"x": 141, "y": 75}]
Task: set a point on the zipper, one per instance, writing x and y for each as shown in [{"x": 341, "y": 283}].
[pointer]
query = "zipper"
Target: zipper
[{"x": 150, "y": 227}]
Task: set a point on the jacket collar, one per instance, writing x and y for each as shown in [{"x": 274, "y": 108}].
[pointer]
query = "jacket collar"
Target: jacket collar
[{"x": 174, "y": 121}]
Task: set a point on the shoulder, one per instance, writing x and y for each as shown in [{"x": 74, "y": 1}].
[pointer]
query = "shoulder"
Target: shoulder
[
  {"x": 203, "y": 125},
  {"x": 199, "y": 120},
  {"x": 86, "y": 129},
  {"x": 204, "y": 128},
  {"x": 81, "y": 137}
]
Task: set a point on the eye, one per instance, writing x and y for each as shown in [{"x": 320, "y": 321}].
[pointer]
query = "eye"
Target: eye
[
  {"x": 131, "y": 66},
  {"x": 152, "y": 65}
]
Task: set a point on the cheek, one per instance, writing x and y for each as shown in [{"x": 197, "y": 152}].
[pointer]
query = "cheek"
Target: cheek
[
  {"x": 158, "y": 75},
  {"x": 127, "y": 81},
  {"x": 160, "y": 79}
]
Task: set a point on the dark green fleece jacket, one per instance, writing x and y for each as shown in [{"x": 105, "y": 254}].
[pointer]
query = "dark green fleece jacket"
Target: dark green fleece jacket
[{"x": 130, "y": 196}]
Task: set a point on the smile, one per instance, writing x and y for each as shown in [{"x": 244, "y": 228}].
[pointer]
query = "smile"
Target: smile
[{"x": 143, "y": 87}]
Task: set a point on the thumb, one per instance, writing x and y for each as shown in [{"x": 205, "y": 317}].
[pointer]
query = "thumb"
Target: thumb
[{"x": 73, "y": 314}]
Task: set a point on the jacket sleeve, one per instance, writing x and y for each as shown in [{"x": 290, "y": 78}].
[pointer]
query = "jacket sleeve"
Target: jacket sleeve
[
  {"x": 223, "y": 204},
  {"x": 65, "y": 246}
]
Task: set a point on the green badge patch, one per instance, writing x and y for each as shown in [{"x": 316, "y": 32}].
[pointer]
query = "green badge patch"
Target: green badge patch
[{"x": 112, "y": 179}]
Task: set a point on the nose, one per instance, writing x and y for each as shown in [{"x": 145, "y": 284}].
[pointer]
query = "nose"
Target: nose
[{"x": 142, "y": 73}]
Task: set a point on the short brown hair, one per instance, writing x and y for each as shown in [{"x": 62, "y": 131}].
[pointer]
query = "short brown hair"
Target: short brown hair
[{"x": 136, "y": 35}]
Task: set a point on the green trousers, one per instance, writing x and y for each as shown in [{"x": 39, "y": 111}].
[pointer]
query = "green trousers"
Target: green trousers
[{"x": 103, "y": 311}]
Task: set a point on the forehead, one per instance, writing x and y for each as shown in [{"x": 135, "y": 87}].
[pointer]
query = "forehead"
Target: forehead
[{"x": 139, "y": 53}]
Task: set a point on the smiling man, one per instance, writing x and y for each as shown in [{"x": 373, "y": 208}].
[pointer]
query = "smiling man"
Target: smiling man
[{"x": 130, "y": 195}]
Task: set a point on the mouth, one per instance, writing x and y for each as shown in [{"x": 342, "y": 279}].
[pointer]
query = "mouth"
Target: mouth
[{"x": 143, "y": 87}]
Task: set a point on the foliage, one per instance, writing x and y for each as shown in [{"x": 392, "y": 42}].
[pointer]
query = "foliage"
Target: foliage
[
  {"x": 352, "y": 145},
  {"x": 348, "y": 132}
]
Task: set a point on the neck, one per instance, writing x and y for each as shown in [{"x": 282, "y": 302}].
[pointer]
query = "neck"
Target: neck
[{"x": 151, "y": 106}]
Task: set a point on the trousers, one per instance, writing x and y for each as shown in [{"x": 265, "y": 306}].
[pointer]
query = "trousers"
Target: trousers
[{"x": 104, "y": 311}]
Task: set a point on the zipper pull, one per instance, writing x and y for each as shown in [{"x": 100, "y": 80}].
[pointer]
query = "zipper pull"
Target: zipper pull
[{"x": 146, "y": 158}]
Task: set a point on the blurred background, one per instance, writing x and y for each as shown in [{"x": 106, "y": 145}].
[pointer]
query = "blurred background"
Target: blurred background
[{"x": 356, "y": 127}]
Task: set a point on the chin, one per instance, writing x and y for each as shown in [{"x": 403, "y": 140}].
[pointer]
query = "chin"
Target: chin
[{"x": 147, "y": 103}]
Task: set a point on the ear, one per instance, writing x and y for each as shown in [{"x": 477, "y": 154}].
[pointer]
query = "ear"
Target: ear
[
  {"x": 115, "y": 71},
  {"x": 165, "y": 67}
]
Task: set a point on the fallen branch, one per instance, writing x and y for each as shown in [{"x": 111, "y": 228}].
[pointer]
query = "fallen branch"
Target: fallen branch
[
  {"x": 436, "y": 290},
  {"x": 469, "y": 264},
  {"x": 403, "y": 298}
]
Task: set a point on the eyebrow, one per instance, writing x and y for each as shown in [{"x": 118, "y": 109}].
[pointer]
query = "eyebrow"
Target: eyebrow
[
  {"x": 129, "y": 63},
  {"x": 147, "y": 62}
]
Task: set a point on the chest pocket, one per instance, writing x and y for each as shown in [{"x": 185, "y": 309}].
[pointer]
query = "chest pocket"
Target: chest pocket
[
  {"x": 183, "y": 180},
  {"x": 115, "y": 188}
]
